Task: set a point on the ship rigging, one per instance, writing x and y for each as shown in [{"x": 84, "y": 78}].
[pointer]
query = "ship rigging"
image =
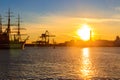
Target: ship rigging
[{"x": 7, "y": 39}]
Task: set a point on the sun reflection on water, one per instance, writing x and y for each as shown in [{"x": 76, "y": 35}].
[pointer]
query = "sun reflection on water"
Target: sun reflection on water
[{"x": 86, "y": 63}]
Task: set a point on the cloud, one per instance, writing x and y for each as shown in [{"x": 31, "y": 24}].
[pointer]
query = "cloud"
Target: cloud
[
  {"x": 97, "y": 20},
  {"x": 117, "y": 8},
  {"x": 63, "y": 26}
]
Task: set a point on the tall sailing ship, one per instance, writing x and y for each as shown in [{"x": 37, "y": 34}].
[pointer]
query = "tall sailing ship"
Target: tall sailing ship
[{"x": 8, "y": 40}]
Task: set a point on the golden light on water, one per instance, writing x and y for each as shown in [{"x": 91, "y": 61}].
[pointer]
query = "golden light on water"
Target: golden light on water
[
  {"x": 86, "y": 63},
  {"x": 86, "y": 52},
  {"x": 84, "y": 32}
]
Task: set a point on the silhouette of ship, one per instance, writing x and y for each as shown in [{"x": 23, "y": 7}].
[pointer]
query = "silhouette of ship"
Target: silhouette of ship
[{"x": 9, "y": 40}]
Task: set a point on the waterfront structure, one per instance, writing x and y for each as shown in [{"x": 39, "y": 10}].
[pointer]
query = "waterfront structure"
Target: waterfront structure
[{"x": 44, "y": 39}]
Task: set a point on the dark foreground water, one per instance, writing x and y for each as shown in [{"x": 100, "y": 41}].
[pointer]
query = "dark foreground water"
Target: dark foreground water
[{"x": 35, "y": 63}]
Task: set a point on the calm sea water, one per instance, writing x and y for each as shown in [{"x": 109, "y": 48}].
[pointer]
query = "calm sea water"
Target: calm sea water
[{"x": 60, "y": 63}]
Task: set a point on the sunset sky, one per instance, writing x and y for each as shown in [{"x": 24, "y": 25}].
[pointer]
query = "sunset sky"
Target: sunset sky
[{"x": 64, "y": 17}]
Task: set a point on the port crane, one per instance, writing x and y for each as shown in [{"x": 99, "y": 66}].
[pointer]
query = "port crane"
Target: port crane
[{"x": 45, "y": 38}]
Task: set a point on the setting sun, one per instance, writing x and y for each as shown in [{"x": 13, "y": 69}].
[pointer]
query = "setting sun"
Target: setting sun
[{"x": 84, "y": 32}]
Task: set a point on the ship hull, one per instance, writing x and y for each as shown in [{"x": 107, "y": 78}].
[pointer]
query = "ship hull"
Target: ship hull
[{"x": 12, "y": 46}]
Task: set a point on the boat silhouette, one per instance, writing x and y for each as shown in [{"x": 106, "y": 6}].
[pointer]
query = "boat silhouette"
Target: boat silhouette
[{"x": 9, "y": 40}]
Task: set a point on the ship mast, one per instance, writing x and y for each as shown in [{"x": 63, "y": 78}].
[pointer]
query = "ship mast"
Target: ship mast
[
  {"x": 18, "y": 24},
  {"x": 19, "y": 36},
  {"x": 8, "y": 30},
  {"x": 8, "y": 25},
  {"x": 0, "y": 24}
]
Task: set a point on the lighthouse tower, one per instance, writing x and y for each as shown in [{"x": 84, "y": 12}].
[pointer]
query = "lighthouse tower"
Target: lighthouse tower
[{"x": 90, "y": 35}]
